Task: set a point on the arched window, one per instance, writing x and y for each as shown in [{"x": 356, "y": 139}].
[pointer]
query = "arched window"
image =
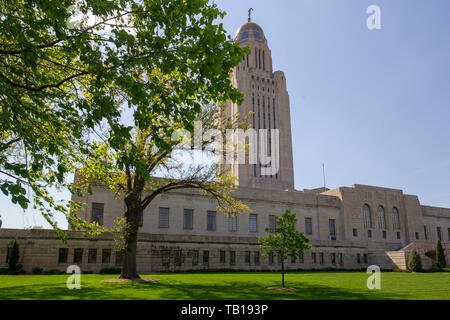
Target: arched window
[
  {"x": 381, "y": 218},
  {"x": 395, "y": 218},
  {"x": 367, "y": 216}
]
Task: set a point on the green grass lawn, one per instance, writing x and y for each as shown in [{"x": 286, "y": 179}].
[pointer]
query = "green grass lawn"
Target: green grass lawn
[{"x": 231, "y": 286}]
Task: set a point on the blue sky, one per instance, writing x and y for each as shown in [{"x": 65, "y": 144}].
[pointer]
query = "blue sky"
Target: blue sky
[{"x": 373, "y": 105}]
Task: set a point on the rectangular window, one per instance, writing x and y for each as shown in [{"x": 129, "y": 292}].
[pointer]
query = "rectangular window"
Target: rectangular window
[
  {"x": 92, "y": 255},
  {"x": 177, "y": 258},
  {"x": 272, "y": 223},
  {"x": 188, "y": 219},
  {"x": 62, "y": 255},
  {"x": 358, "y": 258},
  {"x": 232, "y": 258},
  {"x": 293, "y": 260},
  {"x": 222, "y": 257},
  {"x": 163, "y": 217},
  {"x": 425, "y": 231},
  {"x": 97, "y": 212},
  {"x": 165, "y": 258},
  {"x": 119, "y": 258},
  {"x": 301, "y": 259},
  {"x": 369, "y": 233},
  {"x": 398, "y": 235},
  {"x": 253, "y": 223},
  {"x": 365, "y": 258},
  {"x": 448, "y": 234},
  {"x": 438, "y": 232},
  {"x": 256, "y": 258},
  {"x": 333, "y": 259},
  {"x": 314, "y": 257},
  {"x": 194, "y": 258},
  {"x": 417, "y": 236},
  {"x": 332, "y": 226},
  {"x": 308, "y": 225},
  {"x": 211, "y": 221},
  {"x": 247, "y": 257},
  {"x": 271, "y": 259},
  {"x": 341, "y": 259},
  {"x": 355, "y": 232},
  {"x": 78, "y": 255},
  {"x": 321, "y": 261},
  {"x": 232, "y": 223},
  {"x": 106, "y": 256},
  {"x": 206, "y": 258},
  {"x": 384, "y": 234}
]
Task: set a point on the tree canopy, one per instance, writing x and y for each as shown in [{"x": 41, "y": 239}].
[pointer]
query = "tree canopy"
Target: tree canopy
[{"x": 66, "y": 73}]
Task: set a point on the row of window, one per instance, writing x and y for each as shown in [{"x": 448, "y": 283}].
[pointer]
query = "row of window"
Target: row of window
[
  {"x": 106, "y": 254},
  {"x": 438, "y": 233},
  {"x": 251, "y": 258},
  {"x": 367, "y": 216}
]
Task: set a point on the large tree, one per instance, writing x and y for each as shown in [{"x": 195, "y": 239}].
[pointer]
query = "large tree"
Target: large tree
[
  {"x": 64, "y": 72},
  {"x": 141, "y": 171},
  {"x": 284, "y": 241}
]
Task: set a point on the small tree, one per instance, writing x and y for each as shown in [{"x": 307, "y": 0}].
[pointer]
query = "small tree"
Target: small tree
[
  {"x": 285, "y": 240},
  {"x": 440, "y": 255},
  {"x": 14, "y": 256},
  {"x": 414, "y": 261}
]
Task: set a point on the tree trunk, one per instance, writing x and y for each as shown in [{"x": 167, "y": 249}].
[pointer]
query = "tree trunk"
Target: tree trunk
[
  {"x": 129, "y": 267},
  {"x": 282, "y": 272}
]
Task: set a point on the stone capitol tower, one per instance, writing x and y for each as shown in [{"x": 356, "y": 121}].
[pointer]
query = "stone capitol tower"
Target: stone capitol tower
[{"x": 265, "y": 95}]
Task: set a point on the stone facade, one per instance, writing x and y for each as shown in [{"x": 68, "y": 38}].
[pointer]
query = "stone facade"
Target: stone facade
[{"x": 349, "y": 227}]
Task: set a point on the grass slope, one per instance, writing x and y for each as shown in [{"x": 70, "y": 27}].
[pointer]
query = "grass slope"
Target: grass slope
[{"x": 232, "y": 286}]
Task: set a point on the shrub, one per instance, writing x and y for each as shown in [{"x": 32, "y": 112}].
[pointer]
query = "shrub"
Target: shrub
[
  {"x": 399, "y": 270},
  {"x": 4, "y": 271},
  {"x": 13, "y": 256},
  {"x": 445, "y": 269},
  {"x": 440, "y": 255},
  {"x": 37, "y": 270},
  {"x": 414, "y": 261},
  {"x": 87, "y": 272},
  {"x": 53, "y": 272},
  {"x": 111, "y": 270}
]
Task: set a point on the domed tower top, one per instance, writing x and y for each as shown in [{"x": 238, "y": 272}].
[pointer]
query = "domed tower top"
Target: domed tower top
[{"x": 249, "y": 30}]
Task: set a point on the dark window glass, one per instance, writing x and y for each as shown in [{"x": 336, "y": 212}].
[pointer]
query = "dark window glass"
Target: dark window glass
[
  {"x": 163, "y": 217},
  {"x": 188, "y": 218},
  {"x": 92, "y": 255},
  {"x": 232, "y": 258},
  {"x": 206, "y": 258},
  {"x": 195, "y": 258},
  {"x": 358, "y": 258},
  {"x": 97, "y": 212},
  {"x": 247, "y": 257},
  {"x": 211, "y": 221},
  {"x": 321, "y": 258},
  {"x": 365, "y": 258},
  {"x": 355, "y": 232},
  {"x": 333, "y": 259},
  {"x": 256, "y": 258},
  {"x": 369, "y": 233},
  {"x": 62, "y": 255},
  {"x": 308, "y": 225},
  {"x": 222, "y": 257},
  {"x": 106, "y": 256},
  {"x": 332, "y": 226},
  {"x": 384, "y": 234},
  {"x": 438, "y": 231},
  {"x": 178, "y": 258},
  {"x": 165, "y": 258},
  {"x": 78, "y": 255},
  {"x": 417, "y": 236},
  {"x": 398, "y": 235},
  {"x": 314, "y": 257}
]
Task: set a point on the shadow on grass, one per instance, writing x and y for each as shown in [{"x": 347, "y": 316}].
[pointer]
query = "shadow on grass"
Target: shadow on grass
[{"x": 168, "y": 290}]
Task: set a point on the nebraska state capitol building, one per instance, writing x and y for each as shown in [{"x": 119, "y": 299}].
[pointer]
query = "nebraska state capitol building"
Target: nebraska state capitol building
[{"x": 349, "y": 227}]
